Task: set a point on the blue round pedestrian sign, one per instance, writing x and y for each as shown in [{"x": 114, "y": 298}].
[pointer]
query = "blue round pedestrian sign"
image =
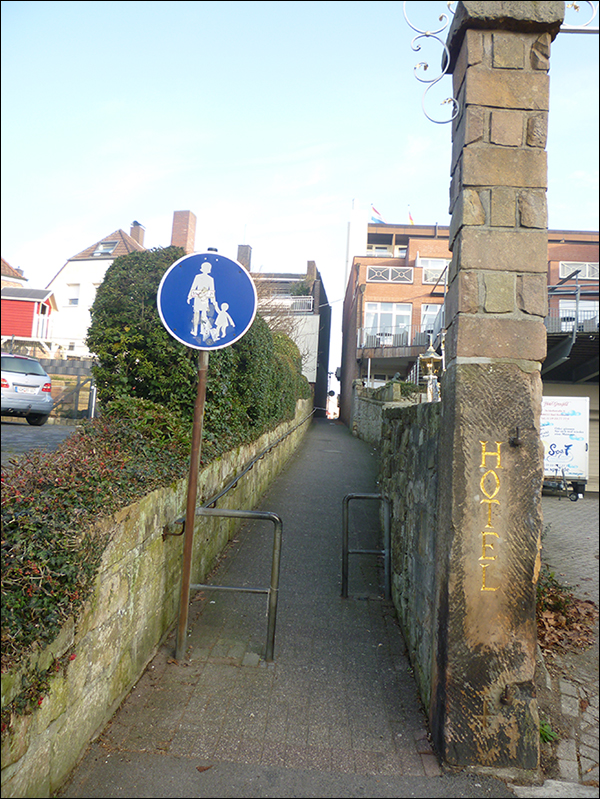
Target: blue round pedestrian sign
[{"x": 206, "y": 301}]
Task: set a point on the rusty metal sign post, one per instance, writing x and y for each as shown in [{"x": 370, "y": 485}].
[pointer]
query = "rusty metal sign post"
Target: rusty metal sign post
[
  {"x": 207, "y": 302},
  {"x": 190, "y": 509}
]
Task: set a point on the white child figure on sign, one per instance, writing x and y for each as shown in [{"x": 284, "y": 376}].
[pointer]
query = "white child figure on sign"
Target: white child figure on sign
[{"x": 222, "y": 321}]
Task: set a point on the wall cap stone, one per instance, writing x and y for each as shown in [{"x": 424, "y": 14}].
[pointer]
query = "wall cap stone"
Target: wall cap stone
[{"x": 523, "y": 17}]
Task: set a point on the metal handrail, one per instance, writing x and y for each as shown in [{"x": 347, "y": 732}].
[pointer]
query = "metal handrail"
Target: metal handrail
[
  {"x": 168, "y": 530},
  {"x": 273, "y": 590},
  {"x": 386, "y": 551},
  {"x": 206, "y": 511}
]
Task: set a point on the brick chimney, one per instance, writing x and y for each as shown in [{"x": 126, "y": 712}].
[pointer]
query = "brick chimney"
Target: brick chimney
[
  {"x": 184, "y": 231},
  {"x": 137, "y": 232},
  {"x": 244, "y": 255}
]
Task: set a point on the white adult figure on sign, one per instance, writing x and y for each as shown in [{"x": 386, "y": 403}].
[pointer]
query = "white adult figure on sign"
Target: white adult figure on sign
[
  {"x": 206, "y": 301},
  {"x": 202, "y": 294}
]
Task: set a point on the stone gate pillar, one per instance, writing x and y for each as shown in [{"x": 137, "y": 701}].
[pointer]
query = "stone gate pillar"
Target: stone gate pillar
[{"x": 483, "y": 709}]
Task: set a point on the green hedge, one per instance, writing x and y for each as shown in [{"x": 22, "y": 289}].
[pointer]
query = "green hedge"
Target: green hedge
[{"x": 251, "y": 386}]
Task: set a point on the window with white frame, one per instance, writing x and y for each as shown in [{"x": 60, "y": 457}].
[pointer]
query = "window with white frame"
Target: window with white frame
[
  {"x": 429, "y": 312},
  {"x": 389, "y": 274},
  {"x": 385, "y": 320},
  {"x": 587, "y": 271},
  {"x": 73, "y": 294},
  {"x": 380, "y": 250},
  {"x": 432, "y": 268}
]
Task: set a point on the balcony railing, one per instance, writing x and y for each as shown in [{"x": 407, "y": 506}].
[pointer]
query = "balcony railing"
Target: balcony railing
[
  {"x": 409, "y": 336},
  {"x": 419, "y": 336},
  {"x": 563, "y": 321},
  {"x": 286, "y": 303}
]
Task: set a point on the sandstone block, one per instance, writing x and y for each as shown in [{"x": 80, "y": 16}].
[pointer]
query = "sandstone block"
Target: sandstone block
[
  {"x": 512, "y": 251},
  {"x": 503, "y": 207},
  {"x": 507, "y": 89},
  {"x": 537, "y": 130},
  {"x": 479, "y": 336},
  {"x": 468, "y": 210},
  {"x": 477, "y": 463},
  {"x": 499, "y": 166},
  {"x": 462, "y": 295},
  {"x": 506, "y": 128},
  {"x": 540, "y": 52},
  {"x": 499, "y": 292},
  {"x": 533, "y": 210},
  {"x": 532, "y": 294},
  {"x": 508, "y": 50}
]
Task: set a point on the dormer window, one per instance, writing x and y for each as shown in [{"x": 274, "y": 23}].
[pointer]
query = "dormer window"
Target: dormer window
[{"x": 105, "y": 248}]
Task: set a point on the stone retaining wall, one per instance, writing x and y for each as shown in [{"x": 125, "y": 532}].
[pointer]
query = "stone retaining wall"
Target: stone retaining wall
[
  {"x": 368, "y": 408},
  {"x": 409, "y": 480},
  {"x": 103, "y": 651}
]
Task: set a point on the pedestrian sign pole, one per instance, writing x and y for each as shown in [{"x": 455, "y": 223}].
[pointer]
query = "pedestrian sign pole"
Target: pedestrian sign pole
[
  {"x": 207, "y": 302},
  {"x": 190, "y": 510}
]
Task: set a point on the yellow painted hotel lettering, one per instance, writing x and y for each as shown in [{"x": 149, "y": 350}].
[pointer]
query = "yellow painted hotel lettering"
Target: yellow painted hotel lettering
[
  {"x": 490, "y": 496},
  {"x": 485, "y": 454},
  {"x": 490, "y": 487},
  {"x": 485, "y": 557}
]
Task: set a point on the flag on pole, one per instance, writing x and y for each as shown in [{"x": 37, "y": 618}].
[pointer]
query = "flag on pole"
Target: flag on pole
[
  {"x": 410, "y": 219},
  {"x": 376, "y": 216}
]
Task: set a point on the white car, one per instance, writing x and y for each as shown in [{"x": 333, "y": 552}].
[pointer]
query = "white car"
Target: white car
[{"x": 26, "y": 389}]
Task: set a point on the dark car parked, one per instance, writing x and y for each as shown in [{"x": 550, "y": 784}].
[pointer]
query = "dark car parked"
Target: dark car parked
[{"x": 26, "y": 389}]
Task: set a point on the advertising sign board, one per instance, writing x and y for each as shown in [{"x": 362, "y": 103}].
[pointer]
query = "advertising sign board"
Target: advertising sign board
[{"x": 564, "y": 430}]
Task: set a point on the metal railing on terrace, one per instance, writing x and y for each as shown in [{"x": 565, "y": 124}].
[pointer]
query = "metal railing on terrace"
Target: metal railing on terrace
[
  {"x": 557, "y": 321},
  {"x": 563, "y": 321},
  {"x": 409, "y": 336},
  {"x": 288, "y": 303}
]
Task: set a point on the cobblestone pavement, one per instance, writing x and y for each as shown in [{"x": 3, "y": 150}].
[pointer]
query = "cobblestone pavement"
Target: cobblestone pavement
[{"x": 570, "y": 548}]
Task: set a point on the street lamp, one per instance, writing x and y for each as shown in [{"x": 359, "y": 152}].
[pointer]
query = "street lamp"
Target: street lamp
[{"x": 431, "y": 365}]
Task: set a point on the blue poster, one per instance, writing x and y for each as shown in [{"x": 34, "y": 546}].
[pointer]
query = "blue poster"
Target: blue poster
[{"x": 206, "y": 301}]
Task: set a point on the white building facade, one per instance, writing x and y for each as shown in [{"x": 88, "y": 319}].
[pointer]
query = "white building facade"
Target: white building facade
[{"x": 75, "y": 288}]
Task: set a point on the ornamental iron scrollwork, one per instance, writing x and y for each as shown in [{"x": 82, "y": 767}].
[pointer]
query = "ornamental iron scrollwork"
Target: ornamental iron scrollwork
[
  {"x": 424, "y": 66},
  {"x": 584, "y": 27}
]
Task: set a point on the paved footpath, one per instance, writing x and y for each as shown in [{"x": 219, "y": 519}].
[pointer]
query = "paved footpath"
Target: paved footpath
[{"x": 336, "y": 714}]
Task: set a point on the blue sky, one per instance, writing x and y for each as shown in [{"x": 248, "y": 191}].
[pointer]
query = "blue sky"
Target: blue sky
[{"x": 268, "y": 120}]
